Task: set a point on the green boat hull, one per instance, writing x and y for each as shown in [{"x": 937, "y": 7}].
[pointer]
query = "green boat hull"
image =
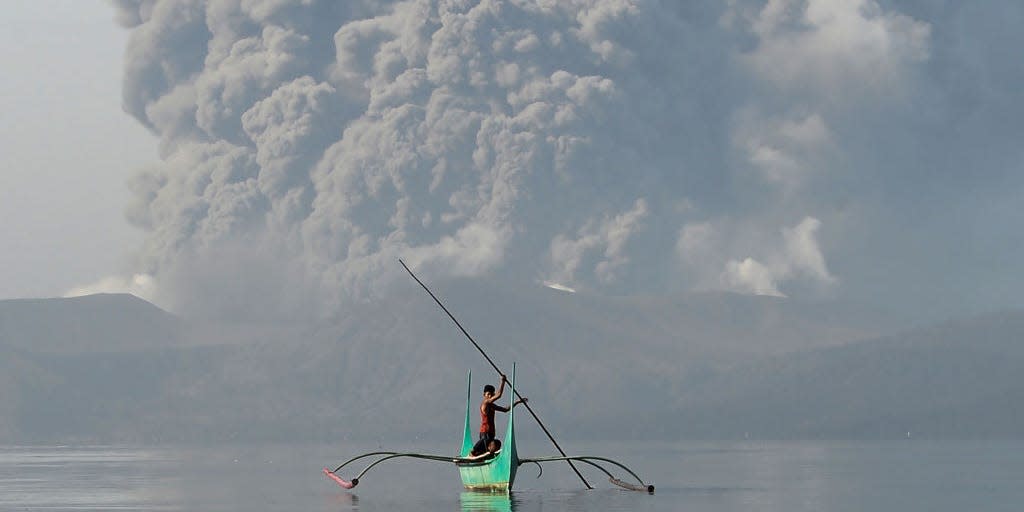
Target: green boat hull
[
  {"x": 499, "y": 473},
  {"x": 493, "y": 475}
]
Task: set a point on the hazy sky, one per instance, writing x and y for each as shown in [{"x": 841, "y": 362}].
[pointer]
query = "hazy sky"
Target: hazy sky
[
  {"x": 866, "y": 150},
  {"x": 67, "y": 148}
]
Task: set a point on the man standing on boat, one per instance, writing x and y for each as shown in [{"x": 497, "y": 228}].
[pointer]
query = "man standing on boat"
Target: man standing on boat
[{"x": 487, "y": 408}]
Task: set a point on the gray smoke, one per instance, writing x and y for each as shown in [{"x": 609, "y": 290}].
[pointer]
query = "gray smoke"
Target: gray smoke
[{"x": 612, "y": 145}]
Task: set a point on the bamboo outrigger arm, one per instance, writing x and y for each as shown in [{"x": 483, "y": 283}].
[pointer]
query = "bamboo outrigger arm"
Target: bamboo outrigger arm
[
  {"x": 348, "y": 484},
  {"x": 589, "y": 459},
  {"x": 586, "y": 459}
]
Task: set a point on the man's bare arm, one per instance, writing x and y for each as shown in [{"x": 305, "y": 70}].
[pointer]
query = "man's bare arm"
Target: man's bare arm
[
  {"x": 522, "y": 400},
  {"x": 501, "y": 389},
  {"x": 471, "y": 458}
]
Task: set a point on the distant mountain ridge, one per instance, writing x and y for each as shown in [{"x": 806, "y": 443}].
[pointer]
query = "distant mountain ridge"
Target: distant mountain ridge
[
  {"x": 102, "y": 322},
  {"x": 114, "y": 368},
  {"x": 959, "y": 379}
]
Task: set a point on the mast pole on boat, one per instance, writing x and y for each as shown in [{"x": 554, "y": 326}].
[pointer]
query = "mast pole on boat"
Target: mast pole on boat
[{"x": 515, "y": 391}]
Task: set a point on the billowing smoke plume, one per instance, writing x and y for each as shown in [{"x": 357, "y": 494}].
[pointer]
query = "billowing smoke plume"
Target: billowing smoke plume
[{"x": 618, "y": 145}]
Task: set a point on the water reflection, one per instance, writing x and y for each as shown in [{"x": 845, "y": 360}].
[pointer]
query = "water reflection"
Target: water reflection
[
  {"x": 346, "y": 501},
  {"x": 477, "y": 501}
]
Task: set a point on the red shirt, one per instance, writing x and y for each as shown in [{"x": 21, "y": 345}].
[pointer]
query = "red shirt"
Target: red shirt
[{"x": 487, "y": 418}]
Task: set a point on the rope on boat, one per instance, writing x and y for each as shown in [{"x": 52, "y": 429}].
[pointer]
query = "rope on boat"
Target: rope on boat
[{"x": 589, "y": 459}]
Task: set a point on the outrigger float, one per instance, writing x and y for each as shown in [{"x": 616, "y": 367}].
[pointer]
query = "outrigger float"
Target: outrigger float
[{"x": 498, "y": 473}]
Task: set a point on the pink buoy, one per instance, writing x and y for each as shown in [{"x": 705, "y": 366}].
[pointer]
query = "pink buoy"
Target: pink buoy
[{"x": 344, "y": 483}]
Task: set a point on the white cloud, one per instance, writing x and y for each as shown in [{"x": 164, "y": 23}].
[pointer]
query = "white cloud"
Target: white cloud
[
  {"x": 749, "y": 277},
  {"x": 604, "y": 241},
  {"x": 559, "y": 287},
  {"x": 832, "y": 47},
  {"x": 787, "y": 150},
  {"x": 739, "y": 258},
  {"x": 803, "y": 255}
]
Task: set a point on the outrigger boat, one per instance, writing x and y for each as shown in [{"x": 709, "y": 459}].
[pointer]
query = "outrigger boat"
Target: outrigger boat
[{"x": 498, "y": 473}]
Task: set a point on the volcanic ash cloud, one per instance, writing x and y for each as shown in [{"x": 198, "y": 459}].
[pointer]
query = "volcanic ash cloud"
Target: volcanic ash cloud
[{"x": 306, "y": 145}]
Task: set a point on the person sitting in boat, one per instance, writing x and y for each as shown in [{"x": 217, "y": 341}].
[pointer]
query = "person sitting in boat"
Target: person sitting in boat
[
  {"x": 487, "y": 408},
  {"x": 493, "y": 447}
]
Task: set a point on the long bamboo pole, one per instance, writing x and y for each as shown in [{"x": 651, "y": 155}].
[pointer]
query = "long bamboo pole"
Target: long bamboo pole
[{"x": 516, "y": 391}]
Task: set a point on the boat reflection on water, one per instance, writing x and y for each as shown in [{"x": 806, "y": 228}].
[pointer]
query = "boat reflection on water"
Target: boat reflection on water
[
  {"x": 346, "y": 500},
  {"x": 482, "y": 501}
]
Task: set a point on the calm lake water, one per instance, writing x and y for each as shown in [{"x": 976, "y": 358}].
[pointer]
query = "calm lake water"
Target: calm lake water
[{"x": 762, "y": 476}]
